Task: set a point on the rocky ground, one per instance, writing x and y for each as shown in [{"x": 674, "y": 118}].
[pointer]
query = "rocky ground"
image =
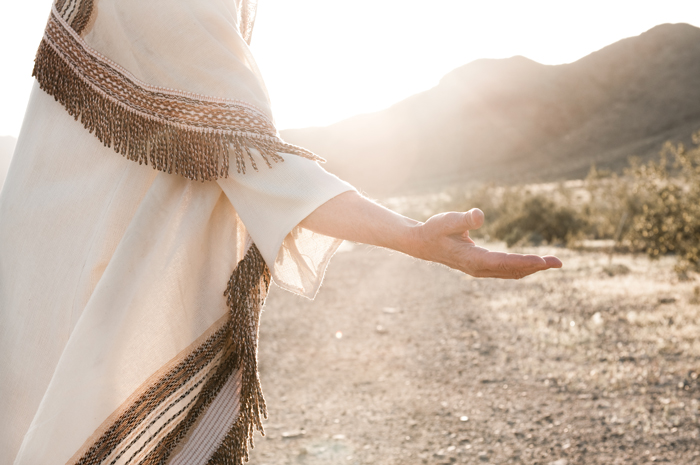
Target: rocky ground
[{"x": 403, "y": 362}]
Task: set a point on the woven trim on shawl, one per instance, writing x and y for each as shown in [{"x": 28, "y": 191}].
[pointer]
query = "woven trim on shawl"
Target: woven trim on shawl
[
  {"x": 176, "y": 132},
  {"x": 76, "y": 13},
  {"x": 157, "y": 422}
]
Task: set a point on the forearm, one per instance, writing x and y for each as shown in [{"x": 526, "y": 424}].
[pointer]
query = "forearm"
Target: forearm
[
  {"x": 444, "y": 238},
  {"x": 353, "y": 217}
]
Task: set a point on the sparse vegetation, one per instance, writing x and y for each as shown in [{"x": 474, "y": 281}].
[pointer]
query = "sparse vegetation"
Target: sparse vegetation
[
  {"x": 538, "y": 219},
  {"x": 668, "y": 193},
  {"x": 653, "y": 208}
]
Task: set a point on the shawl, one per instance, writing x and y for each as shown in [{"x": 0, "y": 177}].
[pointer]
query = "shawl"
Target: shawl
[
  {"x": 185, "y": 107},
  {"x": 172, "y": 84}
]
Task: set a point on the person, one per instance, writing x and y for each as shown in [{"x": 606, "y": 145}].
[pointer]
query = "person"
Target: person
[{"x": 130, "y": 297}]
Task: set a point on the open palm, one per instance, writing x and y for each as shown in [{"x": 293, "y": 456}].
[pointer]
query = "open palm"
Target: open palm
[{"x": 444, "y": 238}]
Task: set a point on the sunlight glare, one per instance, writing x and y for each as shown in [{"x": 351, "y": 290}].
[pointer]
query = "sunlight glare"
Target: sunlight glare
[{"x": 325, "y": 61}]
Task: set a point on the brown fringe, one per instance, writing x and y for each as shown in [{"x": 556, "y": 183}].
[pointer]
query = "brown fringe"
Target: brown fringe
[
  {"x": 128, "y": 123},
  {"x": 137, "y": 412},
  {"x": 239, "y": 296},
  {"x": 238, "y": 340},
  {"x": 245, "y": 297},
  {"x": 82, "y": 18}
]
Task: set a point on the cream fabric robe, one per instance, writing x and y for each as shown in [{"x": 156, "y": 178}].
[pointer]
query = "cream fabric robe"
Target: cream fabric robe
[{"x": 110, "y": 271}]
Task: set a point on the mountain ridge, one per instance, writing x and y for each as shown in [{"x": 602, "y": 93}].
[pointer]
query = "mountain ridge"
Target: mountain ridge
[{"x": 516, "y": 120}]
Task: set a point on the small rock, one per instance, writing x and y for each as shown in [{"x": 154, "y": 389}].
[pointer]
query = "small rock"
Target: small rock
[
  {"x": 666, "y": 300},
  {"x": 338, "y": 436},
  {"x": 293, "y": 434},
  {"x": 597, "y": 319},
  {"x": 391, "y": 310},
  {"x": 464, "y": 418},
  {"x": 559, "y": 462},
  {"x": 381, "y": 329}
]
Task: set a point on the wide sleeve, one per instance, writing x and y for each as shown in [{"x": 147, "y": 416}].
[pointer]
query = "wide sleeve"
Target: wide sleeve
[{"x": 272, "y": 202}]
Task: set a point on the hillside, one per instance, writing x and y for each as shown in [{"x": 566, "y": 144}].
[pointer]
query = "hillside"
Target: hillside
[
  {"x": 515, "y": 120},
  {"x": 7, "y": 146}
]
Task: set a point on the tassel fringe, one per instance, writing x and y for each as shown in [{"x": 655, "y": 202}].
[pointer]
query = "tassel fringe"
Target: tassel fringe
[
  {"x": 173, "y": 132},
  {"x": 235, "y": 346},
  {"x": 243, "y": 295}
]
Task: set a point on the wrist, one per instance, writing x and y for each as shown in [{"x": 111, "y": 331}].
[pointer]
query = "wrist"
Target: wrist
[{"x": 412, "y": 240}]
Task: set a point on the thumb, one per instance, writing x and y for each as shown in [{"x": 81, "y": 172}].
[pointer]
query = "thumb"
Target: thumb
[
  {"x": 460, "y": 223},
  {"x": 474, "y": 218}
]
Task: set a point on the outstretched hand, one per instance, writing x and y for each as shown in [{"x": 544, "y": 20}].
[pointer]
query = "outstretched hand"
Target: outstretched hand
[{"x": 444, "y": 238}]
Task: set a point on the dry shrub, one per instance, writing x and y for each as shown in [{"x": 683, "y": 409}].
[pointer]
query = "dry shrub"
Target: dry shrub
[
  {"x": 667, "y": 193},
  {"x": 653, "y": 208},
  {"x": 539, "y": 219},
  {"x": 517, "y": 215}
]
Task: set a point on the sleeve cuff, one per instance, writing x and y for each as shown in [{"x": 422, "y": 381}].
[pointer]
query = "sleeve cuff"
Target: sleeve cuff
[{"x": 271, "y": 203}]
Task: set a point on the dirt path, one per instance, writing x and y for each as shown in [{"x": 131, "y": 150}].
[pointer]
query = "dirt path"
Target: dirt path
[{"x": 570, "y": 366}]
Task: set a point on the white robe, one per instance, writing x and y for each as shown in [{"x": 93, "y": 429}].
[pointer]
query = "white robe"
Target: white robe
[{"x": 110, "y": 270}]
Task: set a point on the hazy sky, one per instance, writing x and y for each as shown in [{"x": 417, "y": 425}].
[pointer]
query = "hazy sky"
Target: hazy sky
[{"x": 325, "y": 60}]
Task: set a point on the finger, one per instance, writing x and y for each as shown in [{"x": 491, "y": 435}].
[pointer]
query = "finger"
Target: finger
[
  {"x": 504, "y": 275},
  {"x": 512, "y": 266},
  {"x": 461, "y": 223},
  {"x": 474, "y": 218},
  {"x": 484, "y": 263},
  {"x": 542, "y": 263},
  {"x": 453, "y": 223},
  {"x": 552, "y": 261},
  {"x": 508, "y": 262}
]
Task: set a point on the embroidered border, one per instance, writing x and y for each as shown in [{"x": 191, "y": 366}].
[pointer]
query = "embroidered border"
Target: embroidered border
[
  {"x": 77, "y": 13},
  {"x": 174, "y": 131},
  {"x": 153, "y": 425}
]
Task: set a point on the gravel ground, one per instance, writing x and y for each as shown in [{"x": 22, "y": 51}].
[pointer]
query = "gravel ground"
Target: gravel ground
[{"x": 398, "y": 361}]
